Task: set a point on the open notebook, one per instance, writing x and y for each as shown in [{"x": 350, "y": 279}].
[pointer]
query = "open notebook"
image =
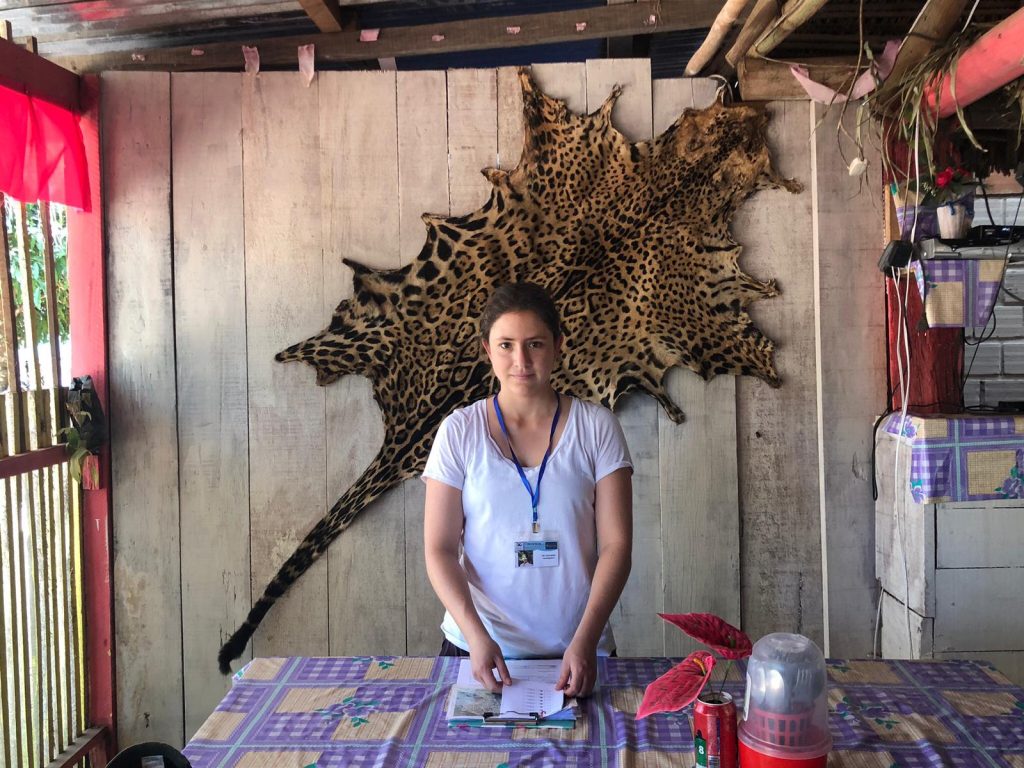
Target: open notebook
[{"x": 531, "y": 700}]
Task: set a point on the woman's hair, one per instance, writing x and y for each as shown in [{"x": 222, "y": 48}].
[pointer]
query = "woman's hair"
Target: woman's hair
[{"x": 520, "y": 297}]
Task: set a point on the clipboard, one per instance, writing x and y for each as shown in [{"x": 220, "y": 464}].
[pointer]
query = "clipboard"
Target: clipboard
[{"x": 513, "y": 718}]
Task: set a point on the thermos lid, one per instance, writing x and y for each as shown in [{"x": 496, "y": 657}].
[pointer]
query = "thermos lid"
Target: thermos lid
[{"x": 786, "y": 701}]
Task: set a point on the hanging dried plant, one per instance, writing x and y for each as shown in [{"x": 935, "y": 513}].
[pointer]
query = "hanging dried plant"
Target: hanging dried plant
[
  {"x": 907, "y": 120},
  {"x": 915, "y": 146},
  {"x": 1014, "y": 91}
]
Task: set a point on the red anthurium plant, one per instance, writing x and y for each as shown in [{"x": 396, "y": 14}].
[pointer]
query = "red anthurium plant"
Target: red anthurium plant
[
  {"x": 684, "y": 682},
  {"x": 716, "y": 633},
  {"x": 679, "y": 686}
]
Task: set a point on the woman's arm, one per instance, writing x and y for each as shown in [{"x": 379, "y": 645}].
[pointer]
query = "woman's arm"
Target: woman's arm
[
  {"x": 613, "y": 508},
  {"x": 442, "y": 532}
]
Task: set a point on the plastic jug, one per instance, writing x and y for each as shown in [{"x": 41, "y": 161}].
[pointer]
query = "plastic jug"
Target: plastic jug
[{"x": 785, "y": 722}]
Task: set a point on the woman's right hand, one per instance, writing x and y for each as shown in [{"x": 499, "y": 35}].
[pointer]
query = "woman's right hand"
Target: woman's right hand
[
  {"x": 442, "y": 534},
  {"x": 485, "y": 657}
]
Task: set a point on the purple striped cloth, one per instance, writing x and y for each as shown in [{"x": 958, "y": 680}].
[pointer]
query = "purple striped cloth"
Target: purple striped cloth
[
  {"x": 958, "y": 293},
  {"x": 965, "y": 457}
]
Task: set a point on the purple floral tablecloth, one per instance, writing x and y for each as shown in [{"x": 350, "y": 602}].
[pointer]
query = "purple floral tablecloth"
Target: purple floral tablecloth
[
  {"x": 965, "y": 457},
  {"x": 389, "y": 712}
]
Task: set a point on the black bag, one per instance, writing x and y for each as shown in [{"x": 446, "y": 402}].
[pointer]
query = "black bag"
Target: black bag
[
  {"x": 132, "y": 757},
  {"x": 86, "y": 414}
]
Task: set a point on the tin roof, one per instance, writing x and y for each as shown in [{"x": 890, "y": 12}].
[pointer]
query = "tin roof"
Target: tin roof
[{"x": 96, "y": 26}]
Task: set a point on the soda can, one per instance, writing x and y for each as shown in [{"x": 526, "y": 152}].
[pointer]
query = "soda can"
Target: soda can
[{"x": 714, "y": 731}]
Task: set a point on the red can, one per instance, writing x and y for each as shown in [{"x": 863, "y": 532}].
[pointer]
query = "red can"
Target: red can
[{"x": 714, "y": 731}]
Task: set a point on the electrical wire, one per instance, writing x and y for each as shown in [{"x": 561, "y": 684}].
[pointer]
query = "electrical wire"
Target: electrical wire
[
  {"x": 988, "y": 209},
  {"x": 1012, "y": 295},
  {"x": 904, "y": 404},
  {"x": 969, "y": 17},
  {"x": 876, "y": 648},
  {"x": 902, "y": 354}
]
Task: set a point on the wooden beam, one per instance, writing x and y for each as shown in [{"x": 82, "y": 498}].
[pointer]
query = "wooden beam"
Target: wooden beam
[
  {"x": 85, "y": 745},
  {"x": 794, "y": 14},
  {"x": 765, "y": 80},
  {"x": 763, "y": 13},
  {"x": 640, "y": 18},
  {"x": 325, "y": 14},
  {"x": 619, "y": 47},
  {"x": 33, "y": 75},
  {"x": 716, "y": 36},
  {"x": 30, "y": 461},
  {"x": 87, "y": 297},
  {"x": 933, "y": 24}
]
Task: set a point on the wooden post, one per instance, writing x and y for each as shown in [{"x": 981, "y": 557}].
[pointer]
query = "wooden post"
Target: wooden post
[
  {"x": 87, "y": 282},
  {"x": 937, "y": 353}
]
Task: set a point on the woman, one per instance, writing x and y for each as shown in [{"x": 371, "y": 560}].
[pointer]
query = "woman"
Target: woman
[{"x": 528, "y": 514}]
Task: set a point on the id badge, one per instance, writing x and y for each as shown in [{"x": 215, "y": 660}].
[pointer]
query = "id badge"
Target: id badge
[{"x": 541, "y": 552}]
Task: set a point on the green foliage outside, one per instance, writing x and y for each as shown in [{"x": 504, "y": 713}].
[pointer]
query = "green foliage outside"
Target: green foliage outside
[{"x": 59, "y": 233}]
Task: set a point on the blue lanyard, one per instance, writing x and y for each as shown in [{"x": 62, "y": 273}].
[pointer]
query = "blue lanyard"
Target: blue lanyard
[{"x": 534, "y": 494}]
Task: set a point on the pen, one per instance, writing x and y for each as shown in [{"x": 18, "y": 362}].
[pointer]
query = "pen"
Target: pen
[{"x": 531, "y": 718}]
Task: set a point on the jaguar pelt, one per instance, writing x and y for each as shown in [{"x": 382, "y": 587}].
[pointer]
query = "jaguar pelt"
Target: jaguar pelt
[{"x": 632, "y": 241}]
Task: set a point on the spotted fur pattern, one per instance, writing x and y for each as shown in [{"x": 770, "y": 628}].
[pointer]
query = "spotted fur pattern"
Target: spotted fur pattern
[{"x": 632, "y": 241}]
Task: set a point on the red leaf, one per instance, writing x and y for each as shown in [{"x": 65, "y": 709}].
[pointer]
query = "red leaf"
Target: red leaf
[
  {"x": 716, "y": 633},
  {"x": 679, "y": 686}
]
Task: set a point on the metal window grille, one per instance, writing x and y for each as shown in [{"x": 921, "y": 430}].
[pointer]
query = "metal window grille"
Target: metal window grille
[{"x": 42, "y": 680}]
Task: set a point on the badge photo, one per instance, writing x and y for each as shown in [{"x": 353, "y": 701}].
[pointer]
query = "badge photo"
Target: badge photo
[{"x": 536, "y": 554}]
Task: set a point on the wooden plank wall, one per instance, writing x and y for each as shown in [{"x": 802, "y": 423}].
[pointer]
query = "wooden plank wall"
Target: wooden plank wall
[
  {"x": 850, "y": 375},
  {"x": 359, "y": 174},
  {"x": 232, "y": 200},
  {"x": 776, "y": 429},
  {"x": 143, "y": 407},
  {"x": 705, "y": 531},
  {"x": 635, "y": 620},
  {"x": 213, "y": 424}
]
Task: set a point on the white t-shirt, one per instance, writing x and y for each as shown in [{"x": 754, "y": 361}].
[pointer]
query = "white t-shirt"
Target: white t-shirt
[{"x": 531, "y": 611}]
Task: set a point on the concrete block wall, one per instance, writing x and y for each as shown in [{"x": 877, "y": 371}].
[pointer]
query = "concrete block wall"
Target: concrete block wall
[{"x": 997, "y": 371}]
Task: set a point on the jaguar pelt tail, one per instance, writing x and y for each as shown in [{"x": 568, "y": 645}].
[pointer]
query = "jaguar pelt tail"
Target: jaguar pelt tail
[{"x": 380, "y": 476}]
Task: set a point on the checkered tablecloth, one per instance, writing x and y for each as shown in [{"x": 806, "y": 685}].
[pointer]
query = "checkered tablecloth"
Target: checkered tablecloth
[
  {"x": 965, "y": 457},
  {"x": 388, "y": 712},
  {"x": 958, "y": 293}
]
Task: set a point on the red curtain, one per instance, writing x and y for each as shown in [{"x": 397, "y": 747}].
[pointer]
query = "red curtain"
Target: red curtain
[{"x": 42, "y": 155}]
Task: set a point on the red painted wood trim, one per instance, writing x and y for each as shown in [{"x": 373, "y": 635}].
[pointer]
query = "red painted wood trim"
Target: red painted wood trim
[
  {"x": 991, "y": 62},
  {"x": 937, "y": 357},
  {"x": 31, "y": 461},
  {"x": 91, "y": 744},
  {"x": 87, "y": 281},
  {"x": 29, "y": 73}
]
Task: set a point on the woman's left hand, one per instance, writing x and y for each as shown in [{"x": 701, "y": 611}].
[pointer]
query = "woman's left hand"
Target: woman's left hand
[{"x": 579, "y": 670}]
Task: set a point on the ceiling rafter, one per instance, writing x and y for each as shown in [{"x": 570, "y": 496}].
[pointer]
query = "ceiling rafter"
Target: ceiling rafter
[
  {"x": 768, "y": 80},
  {"x": 639, "y": 18},
  {"x": 25, "y": 72},
  {"x": 326, "y": 14}
]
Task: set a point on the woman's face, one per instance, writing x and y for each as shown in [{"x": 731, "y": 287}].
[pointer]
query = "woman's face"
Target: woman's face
[{"x": 522, "y": 351}]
